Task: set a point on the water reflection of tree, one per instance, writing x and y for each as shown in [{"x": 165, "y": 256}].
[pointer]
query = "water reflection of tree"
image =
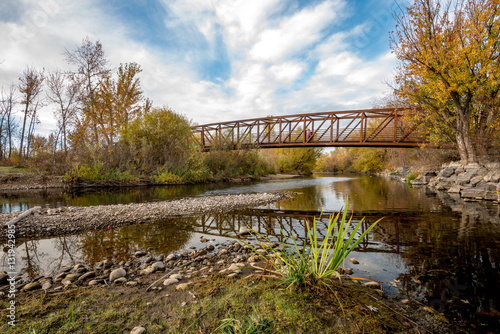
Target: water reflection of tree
[
  {"x": 31, "y": 258},
  {"x": 307, "y": 199},
  {"x": 118, "y": 244},
  {"x": 444, "y": 269}
]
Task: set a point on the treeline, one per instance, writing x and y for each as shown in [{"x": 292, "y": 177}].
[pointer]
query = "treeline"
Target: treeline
[
  {"x": 108, "y": 132},
  {"x": 371, "y": 159}
]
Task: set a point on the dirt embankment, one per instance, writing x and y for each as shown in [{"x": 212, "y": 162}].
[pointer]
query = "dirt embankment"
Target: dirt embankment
[
  {"x": 21, "y": 180},
  {"x": 65, "y": 220}
]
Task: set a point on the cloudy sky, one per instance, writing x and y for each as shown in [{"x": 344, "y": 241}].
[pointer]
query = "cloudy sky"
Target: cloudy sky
[{"x": 216, "y": 60}]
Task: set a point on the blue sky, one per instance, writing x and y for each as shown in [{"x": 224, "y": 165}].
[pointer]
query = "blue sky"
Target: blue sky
[{"x": 216, "y": 60}]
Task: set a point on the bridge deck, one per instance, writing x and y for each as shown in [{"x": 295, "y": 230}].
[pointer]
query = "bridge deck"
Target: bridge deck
[{"x": 369, "y": 127}]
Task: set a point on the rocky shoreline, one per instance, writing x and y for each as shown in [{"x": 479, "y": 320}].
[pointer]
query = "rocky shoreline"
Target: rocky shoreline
[
  {"x": 66, "y": 220},
  {"x": 176, "y": 271},
  {"x": 471, "y": 182}
]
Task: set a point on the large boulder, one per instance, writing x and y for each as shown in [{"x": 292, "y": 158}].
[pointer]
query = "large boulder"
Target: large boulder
[
  {"x": 476, "y": 193},
  {"x": 492, "y": 176},
  {"x": 446, "y": 172}
]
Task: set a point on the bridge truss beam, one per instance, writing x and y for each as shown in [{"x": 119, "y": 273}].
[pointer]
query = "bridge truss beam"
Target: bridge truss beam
[{"x": 369, "y": 127}]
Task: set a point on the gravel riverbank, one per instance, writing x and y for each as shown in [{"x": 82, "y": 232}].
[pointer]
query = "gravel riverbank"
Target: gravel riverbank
[{"x": 65, "y": 220}]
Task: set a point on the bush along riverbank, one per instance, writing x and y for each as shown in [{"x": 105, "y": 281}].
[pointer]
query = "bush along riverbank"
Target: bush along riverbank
[
  {"x": 218, "y": 288},
  {"x": 471, "y": 182}
]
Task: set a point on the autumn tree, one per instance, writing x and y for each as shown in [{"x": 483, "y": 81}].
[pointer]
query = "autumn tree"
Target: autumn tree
[
  {"x": 30, "y": 87},
  {"x": 449, "y": 53},
  {"x": 91, "y": 68},
  {"x": 120, "y": 100},
  {"x": 62, "y": 90}
]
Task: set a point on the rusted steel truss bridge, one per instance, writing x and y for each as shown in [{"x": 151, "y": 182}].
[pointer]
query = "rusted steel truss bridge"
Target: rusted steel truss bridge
[{"x": 368, "y": 127}]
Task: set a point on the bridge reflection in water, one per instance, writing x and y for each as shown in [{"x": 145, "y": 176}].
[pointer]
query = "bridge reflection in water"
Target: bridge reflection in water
[{"x": 279, "y": 225}]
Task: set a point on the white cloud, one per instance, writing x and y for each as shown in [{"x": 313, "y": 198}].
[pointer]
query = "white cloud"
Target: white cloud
[
  {"x": 266, "y": 75},
  {"x": 295, "y": 33}
]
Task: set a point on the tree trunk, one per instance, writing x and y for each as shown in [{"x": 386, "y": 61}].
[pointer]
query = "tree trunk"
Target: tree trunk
[{"x": 22, "y": 136}]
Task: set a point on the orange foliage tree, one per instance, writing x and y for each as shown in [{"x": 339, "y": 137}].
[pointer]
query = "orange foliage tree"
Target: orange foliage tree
[{"x": 449, "y": 53}]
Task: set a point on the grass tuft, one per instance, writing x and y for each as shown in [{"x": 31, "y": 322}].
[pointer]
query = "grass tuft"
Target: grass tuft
[{"x": 299, "y": 266}]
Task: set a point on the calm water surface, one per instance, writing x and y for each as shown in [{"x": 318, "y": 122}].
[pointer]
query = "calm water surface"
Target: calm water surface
[{"x": 433, "y": 248}]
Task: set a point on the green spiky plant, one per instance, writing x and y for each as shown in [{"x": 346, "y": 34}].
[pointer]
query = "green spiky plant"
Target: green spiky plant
[{"x": 319, "y": 261}]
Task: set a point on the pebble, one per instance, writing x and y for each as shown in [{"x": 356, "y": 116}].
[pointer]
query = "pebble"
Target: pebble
[
  {"x": 233, "y": 267},
  {"x": 170, "y": 281},
  {"x": 72, "y": 277},
  {"x": 107, "y": 264},
  {"x": 117, "y": 273},
  {"x": 87, "y": 275},
  {"x": 138, "y": 330},
  {"x": 158, "y": 266},
  {"x": 120, "y": 280},
  {"x": 131, "y": 283},
  {"x": 372, "y": 284},
  {"x": 140, "y": 253},
  {"x": 93, "y": 282},
  {"x": 183, "y": 286},
  {"x": 31, "y": 286},
  {"x": 176, "y": 276}
]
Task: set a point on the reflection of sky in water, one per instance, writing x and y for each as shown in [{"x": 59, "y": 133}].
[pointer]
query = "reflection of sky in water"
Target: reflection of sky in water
[{"x": 461, "y": 240}]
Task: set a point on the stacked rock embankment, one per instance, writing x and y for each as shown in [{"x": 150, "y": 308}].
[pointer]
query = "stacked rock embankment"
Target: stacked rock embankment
[{"x": 471, "y": 182}]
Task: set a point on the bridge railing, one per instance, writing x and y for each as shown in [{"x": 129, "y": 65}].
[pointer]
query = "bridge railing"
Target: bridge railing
[{"x": 370, "y": 127}]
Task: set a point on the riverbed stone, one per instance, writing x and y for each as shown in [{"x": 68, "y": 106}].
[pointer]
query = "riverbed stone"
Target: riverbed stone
[
  {"x": 117, "y": 273},
  {"x": 72, "y": 277},
  {"x": 138, "y": 330},
  {"x": 210, "y": 248},
  {"x": 120, "y": 280},
  {"x": 183, "y": 286},
  {"x": 140, "y": 253},
  {"x": 176, "y": 276},
  {"x": 233, "y": 267},
  {"x": 170, "y": 281},
  {"x": 158, "y": 266},
  {"x": 87, "y": 275},
  {"x": 94, "y": 282},
  {"x": 31, "y": 286},
  {"x": 148, "y": 271},
  {"x": 171, "y": 257},
  {"x": 107, "y": 264},
  {"x": 372, "y": 284},
  {"x": 46, "y": 285}
]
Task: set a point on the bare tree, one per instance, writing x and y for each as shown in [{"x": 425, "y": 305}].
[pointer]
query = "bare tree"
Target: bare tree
[
  {"x": 30, "y": 86},
  {"x": 7, "y": 122},
  {"x": 63, "y": 91},
  {"x": 6, "y": 103}
]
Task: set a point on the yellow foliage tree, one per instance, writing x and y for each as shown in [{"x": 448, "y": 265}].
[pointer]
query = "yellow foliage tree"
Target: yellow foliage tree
[{"x": 450, "y": 66}]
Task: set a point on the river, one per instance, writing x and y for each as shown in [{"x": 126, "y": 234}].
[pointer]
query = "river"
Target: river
[{"x": 433, "y": 248}]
